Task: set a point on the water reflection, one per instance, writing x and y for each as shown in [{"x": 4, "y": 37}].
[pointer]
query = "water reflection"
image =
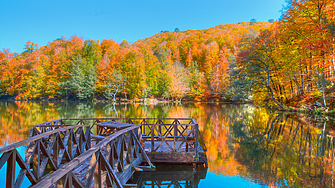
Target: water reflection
[
  {"x": 285, "y": 150},
  {"x": 166, "y": 176},
  {"x": 244, "y": 143}
]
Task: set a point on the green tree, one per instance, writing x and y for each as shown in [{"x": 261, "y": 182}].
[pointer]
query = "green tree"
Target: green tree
[
  {"x": 239, "y": 88},
  {"x": 82, "y": 78}
]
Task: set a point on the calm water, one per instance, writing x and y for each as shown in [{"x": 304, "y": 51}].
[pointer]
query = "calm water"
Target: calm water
[{"x": 247, "y": 146}]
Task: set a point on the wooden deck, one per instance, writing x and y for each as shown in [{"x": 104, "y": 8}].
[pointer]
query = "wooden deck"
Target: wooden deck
[{"x": 100, "y": 152}]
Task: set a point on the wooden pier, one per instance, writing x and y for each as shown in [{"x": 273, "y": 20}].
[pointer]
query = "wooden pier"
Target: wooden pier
[{"x": 101, "y": 152}]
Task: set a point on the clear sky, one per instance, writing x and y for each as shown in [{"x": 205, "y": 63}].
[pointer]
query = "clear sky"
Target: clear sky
[{"x": 41, "y": 21}]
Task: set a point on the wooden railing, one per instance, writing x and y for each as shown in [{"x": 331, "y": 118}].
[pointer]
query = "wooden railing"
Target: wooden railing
[
  {"x": 174, "y": 134},
  {"x": 56, "y": 147},
  {"x": 110, "y": 163},
  {"x": 165, "y": 135},
  {"x": 45, "y": 152}
]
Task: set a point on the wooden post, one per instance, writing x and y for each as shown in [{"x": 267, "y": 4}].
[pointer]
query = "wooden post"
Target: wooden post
[
  {"x": 70, "y": 142},
  {"x": 56, "y": 150},
  {"x": 36, "y": 160},
  {"x": 98, "y": 130},
  {"x": 152, "y": 138},
  {"x": 10, "y": 178},
  {"x": 143, "y": 129},
  {"x": 174, "y": 136},
  {"x": 88, "y": 138},
  {"x": 196, "y": 143}
]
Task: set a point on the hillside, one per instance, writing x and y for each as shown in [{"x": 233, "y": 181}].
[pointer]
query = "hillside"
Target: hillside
[{"x": 193, "y": 64}]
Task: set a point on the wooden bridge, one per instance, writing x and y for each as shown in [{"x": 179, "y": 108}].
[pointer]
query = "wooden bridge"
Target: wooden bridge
[{"x": 100, "y": 152}]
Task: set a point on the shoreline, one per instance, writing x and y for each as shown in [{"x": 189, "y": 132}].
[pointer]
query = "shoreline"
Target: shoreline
[
  {"x": 147, "y": 100},
  {"x": 317, "y": 111}
]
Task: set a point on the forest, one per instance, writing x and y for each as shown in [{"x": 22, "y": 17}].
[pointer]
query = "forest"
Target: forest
[{"x": 286, "y": 64}]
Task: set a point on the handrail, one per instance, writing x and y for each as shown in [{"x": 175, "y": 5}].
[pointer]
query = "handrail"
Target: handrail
[
  {"x": 37, "y": 137},
  {"x": 54, "y": 143},
  {"x": 45, "y": 151},
  {"x": 48, "y": 122},
  {"x": 53, "y": 178},
  {"x": 145, "y": 123}
]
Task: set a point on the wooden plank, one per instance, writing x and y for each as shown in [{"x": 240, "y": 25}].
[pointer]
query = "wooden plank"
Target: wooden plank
[
  {"x": 113, "y": 124},
  {"x": 49, "y": 159},
  {"x": 4, "y": 158},
  {"x": 175, "y": 157},
  {"x": 125, "y": 119},
  {"x": 144, "y": 169},
  {"x": 23, "y": 165},
  {"x": 48, "y": 123},
  {"x": 129, "y": 185},
  {"x": 97, "y": 137}
]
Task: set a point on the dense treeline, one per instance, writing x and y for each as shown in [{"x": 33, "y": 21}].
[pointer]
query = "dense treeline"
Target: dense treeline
[
  {"x": 193, "y": 64},
  {"x": 289, "y": 62}
]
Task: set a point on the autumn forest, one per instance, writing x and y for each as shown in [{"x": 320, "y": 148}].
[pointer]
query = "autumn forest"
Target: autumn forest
[{"x": 287, "y": 63}]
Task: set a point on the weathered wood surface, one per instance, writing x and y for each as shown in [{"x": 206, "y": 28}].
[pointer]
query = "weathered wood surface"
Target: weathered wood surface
[
  {"x": 110, "y": 127},
  {"x": 176, "y": 158},
  {"x": 45, "y": 152},
  {"x": 59, "y": 152},
  {"x": 36, "y": 135},
  {"x": 111, "y": 163},
  {"x": 114, "y": 124}
]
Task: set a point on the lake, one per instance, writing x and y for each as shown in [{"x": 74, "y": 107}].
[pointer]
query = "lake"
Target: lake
[{"x": 247, "y": 146}]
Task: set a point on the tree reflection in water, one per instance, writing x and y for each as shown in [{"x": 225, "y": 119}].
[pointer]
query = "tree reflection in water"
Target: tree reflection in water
[{"x": 284, "y": 150}]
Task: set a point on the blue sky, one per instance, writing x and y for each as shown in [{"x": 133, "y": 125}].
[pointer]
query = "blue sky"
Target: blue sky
[{"x": 41, "y": 21}]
